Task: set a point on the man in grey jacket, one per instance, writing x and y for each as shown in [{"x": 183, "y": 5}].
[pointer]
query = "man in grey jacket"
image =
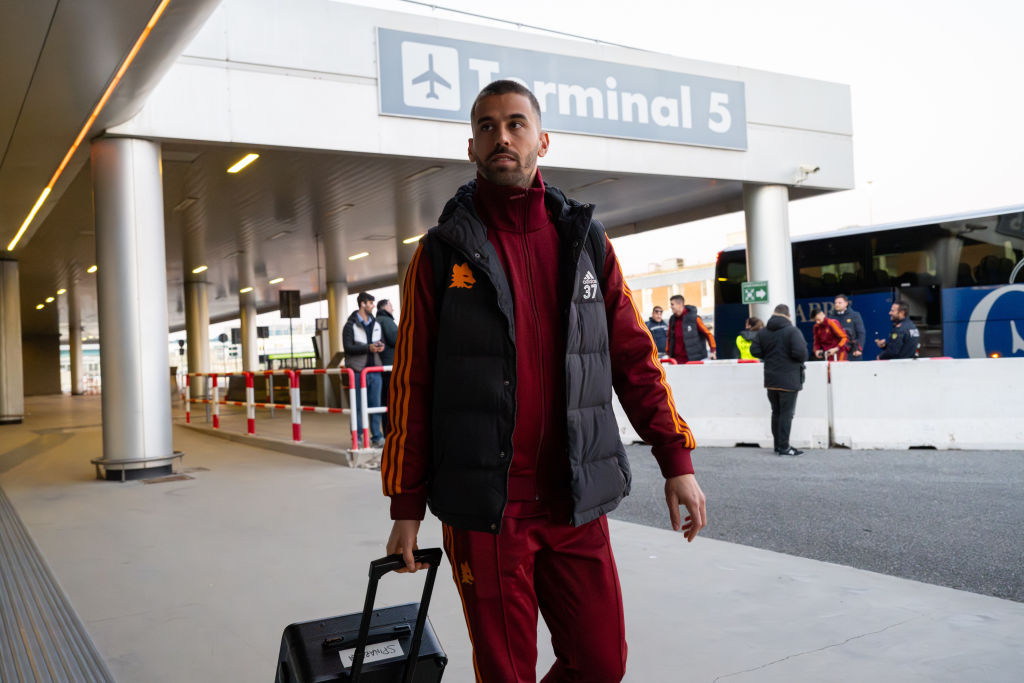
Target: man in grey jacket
[{"x": 362, "y": 339}]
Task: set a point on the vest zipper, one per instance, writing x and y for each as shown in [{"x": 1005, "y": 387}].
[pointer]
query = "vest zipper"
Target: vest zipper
[{"x": 540, "y": 349}]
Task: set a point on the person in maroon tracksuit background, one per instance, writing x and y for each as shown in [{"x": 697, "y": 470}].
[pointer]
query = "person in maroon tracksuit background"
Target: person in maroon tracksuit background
[
  {"x": 540, "y": 553},
  {"x": 830, "y": 340},
  {"x": 687, "y": 334}
]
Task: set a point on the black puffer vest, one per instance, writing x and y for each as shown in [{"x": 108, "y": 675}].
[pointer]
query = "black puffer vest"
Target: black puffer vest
[
  {"x": 692, "y": 339},
  {"x": 474, "y": 399}
]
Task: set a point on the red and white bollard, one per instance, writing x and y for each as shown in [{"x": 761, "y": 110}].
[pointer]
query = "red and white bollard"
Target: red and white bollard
[
  {"x": 296, "y": 409},
  {"x": 352, "y": 417},
  {"x": 365, "y": 408},
  {"x": 250, "y": 400},
  {"x": 216, "y": 404},
  {"x": 188, "y": 399}
]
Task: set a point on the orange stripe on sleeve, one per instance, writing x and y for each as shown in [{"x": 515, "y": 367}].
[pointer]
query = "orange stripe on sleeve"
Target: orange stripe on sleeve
[
  {"x": 680, "y": 426},
  {"x": 704, "y": 331},
  {"x": 840, "y": 332}
]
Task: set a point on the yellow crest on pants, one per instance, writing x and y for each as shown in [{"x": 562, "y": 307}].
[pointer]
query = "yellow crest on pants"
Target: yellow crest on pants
[{"x": 467, "y": 575}]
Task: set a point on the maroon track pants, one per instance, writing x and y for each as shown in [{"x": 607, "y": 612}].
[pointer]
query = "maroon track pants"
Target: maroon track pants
[{"x": 567, "y": 572}]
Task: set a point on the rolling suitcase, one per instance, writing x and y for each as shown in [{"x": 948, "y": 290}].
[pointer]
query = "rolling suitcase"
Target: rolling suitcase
[{"x": 388, "y": 645}]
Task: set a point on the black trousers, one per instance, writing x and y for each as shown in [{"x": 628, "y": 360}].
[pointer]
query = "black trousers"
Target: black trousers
[{"x": 783, "y": 407}]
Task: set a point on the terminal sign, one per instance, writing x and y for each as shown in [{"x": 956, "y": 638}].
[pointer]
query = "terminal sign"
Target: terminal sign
[
  {"x": 754, "y": 292},
  {"x": 431, "y": 77}
]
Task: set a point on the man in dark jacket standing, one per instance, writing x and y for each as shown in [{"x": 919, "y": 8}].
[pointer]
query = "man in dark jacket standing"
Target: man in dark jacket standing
[
  {"x": 784, "y": 352},
  {"x": 904, "y": 338},
  {"x": 389, "y": 335},
  {"x": 659, "y": 329},
  {"x": 852, "y": 322},
  {"x": 516, "y": 327},
  {"x": 687, "y": 333}
]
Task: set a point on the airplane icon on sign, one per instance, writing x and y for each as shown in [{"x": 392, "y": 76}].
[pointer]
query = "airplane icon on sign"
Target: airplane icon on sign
[{"x": 432, "y": 77}]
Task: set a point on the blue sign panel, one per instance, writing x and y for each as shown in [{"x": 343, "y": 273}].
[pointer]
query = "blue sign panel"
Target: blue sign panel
[
  {"x": 431, "y": 77},
  {"x": 981, "y": 321}
]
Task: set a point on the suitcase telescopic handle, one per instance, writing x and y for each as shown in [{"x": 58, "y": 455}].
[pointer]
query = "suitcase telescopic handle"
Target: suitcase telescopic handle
[{"x": 379, "y": 568}]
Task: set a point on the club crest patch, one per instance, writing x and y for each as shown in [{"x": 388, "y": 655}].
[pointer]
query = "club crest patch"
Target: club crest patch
[{"x": 462, "y": 277}]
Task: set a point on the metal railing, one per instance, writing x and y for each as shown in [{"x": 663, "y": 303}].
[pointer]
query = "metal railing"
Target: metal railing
[
  {"x": 367, "y": 410},
  {"x": 294, "y": 405}
]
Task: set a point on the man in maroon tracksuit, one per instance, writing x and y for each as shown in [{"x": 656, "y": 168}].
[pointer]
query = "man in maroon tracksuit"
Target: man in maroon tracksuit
[{"x": 516, "y": 326}]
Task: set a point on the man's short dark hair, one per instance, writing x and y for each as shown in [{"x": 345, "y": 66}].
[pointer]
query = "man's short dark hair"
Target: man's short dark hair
[
  {"x": 782, "y": 309},
  {"x": 843, "y": 297},
  {"x": 902, "y": 308},
  {"x": 504, "y": 87},
  {"x": 657, "y": 309},
  {"x": 677, "y": 297},
  {"x": 816, "y": 311},
  {"x": 363, "y": 297}
]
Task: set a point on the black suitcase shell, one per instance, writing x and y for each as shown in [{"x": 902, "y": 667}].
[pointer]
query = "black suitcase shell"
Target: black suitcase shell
[{"x": 311, "y": 650}]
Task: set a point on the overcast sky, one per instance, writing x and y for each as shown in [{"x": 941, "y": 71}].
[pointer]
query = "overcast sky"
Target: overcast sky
[{"x": 937, "y": 89}]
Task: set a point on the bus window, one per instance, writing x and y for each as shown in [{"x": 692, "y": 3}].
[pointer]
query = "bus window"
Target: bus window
[
  {"x": 825, "y": 268},
  {"x": 983, "y": 263},
  {"x": 907, "y": 258}
]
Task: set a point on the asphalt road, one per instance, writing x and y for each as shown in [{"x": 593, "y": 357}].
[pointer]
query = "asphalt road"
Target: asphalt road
[{"x": 951, "y": 518}]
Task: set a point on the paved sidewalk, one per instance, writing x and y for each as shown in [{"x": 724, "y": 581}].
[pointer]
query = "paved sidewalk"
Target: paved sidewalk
[{"x": 195, "y": 579}]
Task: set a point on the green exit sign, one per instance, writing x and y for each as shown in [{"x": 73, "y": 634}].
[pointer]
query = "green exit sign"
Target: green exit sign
[{"x": 754, "y": 292}]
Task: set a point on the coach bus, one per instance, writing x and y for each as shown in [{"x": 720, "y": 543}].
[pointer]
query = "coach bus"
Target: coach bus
[{"x": 954, "y": 272}]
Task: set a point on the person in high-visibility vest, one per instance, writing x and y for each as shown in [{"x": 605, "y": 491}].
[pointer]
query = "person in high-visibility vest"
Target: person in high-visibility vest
[{"x": 745, "y": 338}]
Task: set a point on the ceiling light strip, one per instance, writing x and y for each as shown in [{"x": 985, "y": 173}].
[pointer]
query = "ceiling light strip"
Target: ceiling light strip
[
  {"x": 243, "y": 162},
  {"x": 31, "y": 215},
  {"x": 92, "y": 119}
]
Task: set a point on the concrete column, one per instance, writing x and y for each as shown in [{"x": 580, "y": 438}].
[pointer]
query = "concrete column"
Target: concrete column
[
  {"x": 408, "y": 223},
  {"x": 132, "y": 292},
  {"x": 769, "y": 252},
  {"x": 197, "y": 326},
  {"x": 75, "y": 338},
  {"x": 247, "y": 310},
  {"x": 335, "y": 262},
  {"x": 12, "y": 377},
  {"x": 197, "y": 309}
]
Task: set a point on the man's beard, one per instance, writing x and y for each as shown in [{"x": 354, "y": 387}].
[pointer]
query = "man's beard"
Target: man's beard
[{"x": 515, "y": 176}]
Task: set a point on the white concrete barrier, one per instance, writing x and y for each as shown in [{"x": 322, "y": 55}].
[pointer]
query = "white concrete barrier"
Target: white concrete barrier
[
  {"x": 725, "y": 404},
  {"x": 968, "y": 403}
]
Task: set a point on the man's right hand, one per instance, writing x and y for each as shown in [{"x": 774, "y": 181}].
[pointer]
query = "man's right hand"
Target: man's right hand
[{"x": 403, "y": 541}]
